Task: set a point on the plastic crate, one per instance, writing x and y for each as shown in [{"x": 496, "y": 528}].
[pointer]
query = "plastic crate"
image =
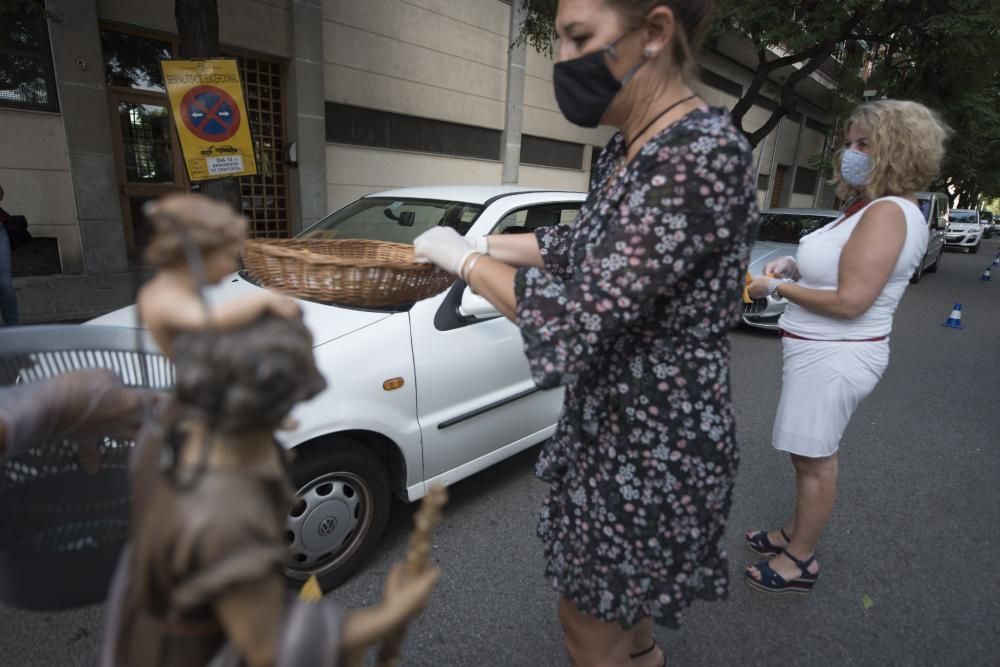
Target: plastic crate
[{"x": 62, "y": 528}]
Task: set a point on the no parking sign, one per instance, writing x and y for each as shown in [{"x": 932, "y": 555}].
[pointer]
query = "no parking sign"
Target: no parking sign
[{"x": 210, "y": 117}]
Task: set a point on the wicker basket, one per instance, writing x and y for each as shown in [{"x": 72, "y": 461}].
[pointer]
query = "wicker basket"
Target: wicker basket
[{"x": 344, "y": 272}]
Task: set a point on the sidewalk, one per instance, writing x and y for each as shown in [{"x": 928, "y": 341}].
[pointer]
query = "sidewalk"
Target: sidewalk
[{"x": 43, "y": 299}]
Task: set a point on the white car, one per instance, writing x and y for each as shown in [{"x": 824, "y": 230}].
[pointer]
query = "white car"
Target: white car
[
  {"x": 964, "y": 230},
  {"x": 778, "y": 234},
  {"x": 465, "y": 398}
]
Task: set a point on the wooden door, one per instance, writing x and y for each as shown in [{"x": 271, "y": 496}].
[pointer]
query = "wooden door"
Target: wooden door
[{"x": 779, "y": 185}]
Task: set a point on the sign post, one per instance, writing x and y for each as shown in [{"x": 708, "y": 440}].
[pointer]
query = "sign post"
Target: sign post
[{"x": 210, "y": 117}]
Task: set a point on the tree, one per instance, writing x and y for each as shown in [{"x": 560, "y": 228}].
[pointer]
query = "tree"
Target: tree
[
  {"x": 949, "y": 61},
  {"x": 198, "y": 37},
  {"x": 792, "y": 40}
]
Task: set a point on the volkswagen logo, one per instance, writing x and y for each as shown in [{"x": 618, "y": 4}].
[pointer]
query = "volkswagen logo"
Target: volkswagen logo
[{"x": 327, "y": 527}]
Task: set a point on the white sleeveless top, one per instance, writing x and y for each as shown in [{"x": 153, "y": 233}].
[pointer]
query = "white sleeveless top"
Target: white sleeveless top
[{"x": 818, "y": 260}]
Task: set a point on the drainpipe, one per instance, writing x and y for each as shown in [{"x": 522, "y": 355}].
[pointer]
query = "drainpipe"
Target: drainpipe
[{"x": 514, "y": 112}]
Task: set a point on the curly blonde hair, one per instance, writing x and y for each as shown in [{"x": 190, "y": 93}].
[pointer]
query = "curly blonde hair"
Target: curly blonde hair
[
  {"x": 210, "y": 225},
  {"x": 906, "y": 142}
]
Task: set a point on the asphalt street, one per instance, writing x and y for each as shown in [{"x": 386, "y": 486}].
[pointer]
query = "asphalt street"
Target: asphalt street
[{"x": 909, "y": 561}]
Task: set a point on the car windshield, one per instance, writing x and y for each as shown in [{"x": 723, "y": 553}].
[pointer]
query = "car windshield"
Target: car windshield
[
  {"x": 789, "y": 227},
  {"x": 396, "y": 220},
  {"x": 962, "y": 216}
]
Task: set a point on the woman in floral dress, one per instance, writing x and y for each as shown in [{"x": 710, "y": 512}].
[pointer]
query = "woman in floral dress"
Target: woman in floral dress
[{"x": 629, "y": 310}]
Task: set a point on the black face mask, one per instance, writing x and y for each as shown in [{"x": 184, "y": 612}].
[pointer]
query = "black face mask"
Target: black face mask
[{"x": 585, "y": 87}]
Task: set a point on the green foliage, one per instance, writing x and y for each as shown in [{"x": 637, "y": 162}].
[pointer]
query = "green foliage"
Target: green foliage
[{"x": 944, "y": 53}]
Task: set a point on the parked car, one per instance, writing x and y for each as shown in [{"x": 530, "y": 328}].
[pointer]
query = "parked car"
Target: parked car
[
  {"x": 964, "y": 230},
  {"x": 465, "y": 398},
  {"x": 781, "y": 228},
  {"x": 934, "y": 206},
  {"x": 986, "y": 220},
  {"x": 778, "y": 235}
]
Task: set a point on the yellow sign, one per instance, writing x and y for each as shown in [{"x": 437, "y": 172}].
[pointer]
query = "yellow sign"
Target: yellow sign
[{"x": 210, "y": 117}]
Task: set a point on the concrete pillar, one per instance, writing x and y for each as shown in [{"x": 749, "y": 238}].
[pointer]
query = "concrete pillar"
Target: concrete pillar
[
  {"x": 510, "y": 143},
  {"x": 307, "y": 112},
  {"x": 795, "y": 156},
  {"x": 83, "y": 99}
]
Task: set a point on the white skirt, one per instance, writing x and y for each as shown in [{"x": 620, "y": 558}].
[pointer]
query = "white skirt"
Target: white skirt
[{"x": 822, "y": 383}]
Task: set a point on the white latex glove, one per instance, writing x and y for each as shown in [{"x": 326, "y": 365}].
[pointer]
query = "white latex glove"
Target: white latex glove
[
  {"x": 783, "y": 267},
  {"x": 444, "y": 247}
]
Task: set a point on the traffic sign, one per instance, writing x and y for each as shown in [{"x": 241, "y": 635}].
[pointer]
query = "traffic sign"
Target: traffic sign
[
  {"x": 210, "y": 113},
  {"x": 206, "y": 102}
]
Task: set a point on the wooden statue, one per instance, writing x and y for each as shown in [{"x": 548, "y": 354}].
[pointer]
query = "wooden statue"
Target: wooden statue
[
  {"x": 202, "y": 582},
  {"x": 196, "y": 243}
]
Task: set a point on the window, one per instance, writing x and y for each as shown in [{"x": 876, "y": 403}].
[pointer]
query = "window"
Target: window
[
  {"x": 347, "y": 124},
  {"x": 27, "y": 80},
  {"x": 805, "y": 181},
  {"x": 133, "y": 61},
  {"x": 551, "y": 153},
  {"x": 763, "y": 181},
  {"x": 395, "y": 220},
  {"x": 529, "y": 219},
  {"x": 817, "y": 126},
  {"x": 789, "y": 227},
  {"x": 721, "y": 83}
]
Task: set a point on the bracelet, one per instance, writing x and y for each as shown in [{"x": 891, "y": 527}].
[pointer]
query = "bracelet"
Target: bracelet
[
  {"x": 467, "y": 270},
  {"x": 483, "y": 245},
  {"x": 775, "y": 284}
]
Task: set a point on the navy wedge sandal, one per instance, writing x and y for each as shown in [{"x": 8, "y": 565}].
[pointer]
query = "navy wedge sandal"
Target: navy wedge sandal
[
  {"x": 759, "y": 543},
  {"x": 772, "y": 582}
]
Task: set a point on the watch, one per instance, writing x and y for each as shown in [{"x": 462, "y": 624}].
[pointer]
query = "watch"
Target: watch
[{"x": 775, "y": 284}]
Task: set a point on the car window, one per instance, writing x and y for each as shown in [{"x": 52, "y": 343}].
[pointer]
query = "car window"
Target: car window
[
  {"x": 925, "y": 207},
  {"x": 789, "y": 227},
  {"x": 958, "y": 215},
  {"x": 529, "y": 219},
  {"x": 396, "y": 220}
]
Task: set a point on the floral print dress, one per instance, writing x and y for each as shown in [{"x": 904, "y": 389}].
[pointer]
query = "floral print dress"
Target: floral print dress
[{"x": 631, "y": 314}]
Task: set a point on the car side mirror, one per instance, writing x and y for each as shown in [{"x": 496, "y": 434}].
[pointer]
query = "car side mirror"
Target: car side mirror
[
  {"x": 942, "y": 222},
  {"x": 475, "y": 306}
]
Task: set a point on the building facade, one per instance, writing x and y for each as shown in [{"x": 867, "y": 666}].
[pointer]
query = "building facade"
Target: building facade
[{"x": 344, "y": 98}]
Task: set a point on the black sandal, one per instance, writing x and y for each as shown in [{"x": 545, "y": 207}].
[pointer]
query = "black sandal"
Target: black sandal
[
  {"x": 652, "y": 647},
  {"x": 772, "y": 582},
  {"x": 759, "y": 543}
]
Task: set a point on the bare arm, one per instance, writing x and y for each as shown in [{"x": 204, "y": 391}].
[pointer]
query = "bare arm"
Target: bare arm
[
  {"x": 866, "y": 263},
  {"x": 515, "y": 249},
  {"x": 494, "y": 281}
]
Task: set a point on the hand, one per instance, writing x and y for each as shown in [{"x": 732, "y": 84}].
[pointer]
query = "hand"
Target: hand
[
  {"x": 783, "y": 267},
  {"x": 282, "y": 306},
  {"x": 444, "y": 247},
  {"x": 759, "y": 287}
]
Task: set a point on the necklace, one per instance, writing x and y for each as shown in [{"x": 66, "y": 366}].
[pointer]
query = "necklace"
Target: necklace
[{"x": 658, "y": 117}]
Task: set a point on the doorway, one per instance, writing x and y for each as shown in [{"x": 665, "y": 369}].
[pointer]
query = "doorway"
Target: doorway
[{"x": 146, "y": 151}]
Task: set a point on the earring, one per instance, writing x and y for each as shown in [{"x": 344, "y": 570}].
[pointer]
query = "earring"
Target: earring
[{"x": 649, "y": 52}]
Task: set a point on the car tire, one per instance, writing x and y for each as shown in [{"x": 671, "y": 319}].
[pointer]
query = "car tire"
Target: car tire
[
  {"x": 341, "y": 507},
  {"x": 974, "y": 249},
  {"x": 918, "y": 273},
  {"x": 937, "y": 262}
]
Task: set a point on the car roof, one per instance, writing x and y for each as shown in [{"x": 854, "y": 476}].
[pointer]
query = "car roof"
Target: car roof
[
  {"x": 472, "y": 194},
  {"x": 827, "y": 212}
]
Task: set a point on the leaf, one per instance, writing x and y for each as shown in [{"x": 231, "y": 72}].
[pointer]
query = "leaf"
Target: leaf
[{"x": 867, "y": 602}]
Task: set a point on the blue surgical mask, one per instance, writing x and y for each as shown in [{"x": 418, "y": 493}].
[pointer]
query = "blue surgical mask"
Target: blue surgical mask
[{"x": 855, "y": 168}]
